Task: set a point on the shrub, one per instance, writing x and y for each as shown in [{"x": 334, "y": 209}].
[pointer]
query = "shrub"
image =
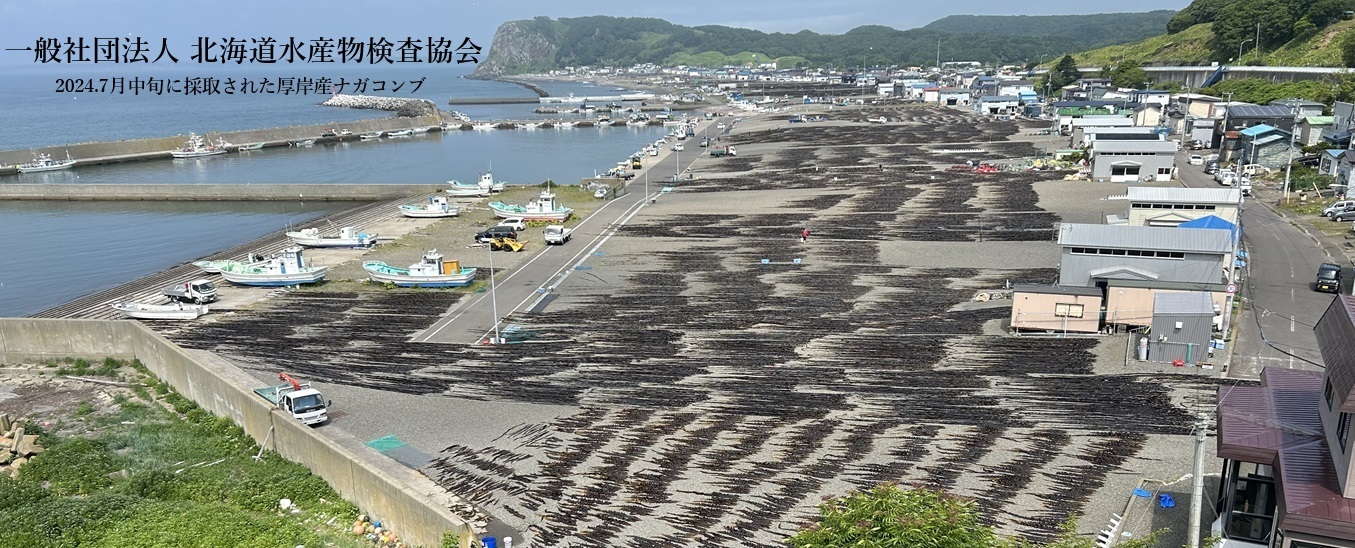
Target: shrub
[{"x": 73, "y": 467}]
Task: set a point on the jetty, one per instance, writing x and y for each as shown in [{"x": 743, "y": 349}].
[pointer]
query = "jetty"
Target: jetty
[{"x": 221, "y": 192}]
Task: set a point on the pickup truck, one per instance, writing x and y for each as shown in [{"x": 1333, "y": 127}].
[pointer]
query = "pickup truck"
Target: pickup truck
[
  {"x": 557, "y": 234},
  {"x": 196, "y": 292},
  {"x": 302, "y": 402},
  {"x": 1328, "y": 278}
]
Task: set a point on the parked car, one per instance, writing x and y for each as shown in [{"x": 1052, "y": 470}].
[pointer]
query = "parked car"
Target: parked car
[
  {"x": 1244, "y": 184},
  {"x": 1196, "y": 160},
  {"x": 677, "y": 147},
  {"x": 1338, "y": 207},
  {"x": 1225, "y": 178},
  {"x": 516, "y": 223},
  {"x": 1328, "y": 278},
  {"x": 1197, "y": 145},
  {"x": 1344, "y": 215},
  {"x": 1211, "y": 167},
  {"x": 496, "y": 232}
]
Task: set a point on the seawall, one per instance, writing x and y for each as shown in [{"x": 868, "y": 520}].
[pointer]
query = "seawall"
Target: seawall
[
  {"x": 158, "y": 148},
  {"x": 264, "y": 192},
  {"x": 412, "y": 504}
]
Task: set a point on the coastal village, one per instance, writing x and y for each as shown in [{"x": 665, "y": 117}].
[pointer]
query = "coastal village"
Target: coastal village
[{"x": 1087, "y": 304}]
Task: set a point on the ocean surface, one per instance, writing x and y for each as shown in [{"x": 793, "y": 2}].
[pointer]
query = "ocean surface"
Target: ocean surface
[{"x": 71, "y": 249}]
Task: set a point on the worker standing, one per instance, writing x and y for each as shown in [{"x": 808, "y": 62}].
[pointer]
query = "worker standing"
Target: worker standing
[{"x": 804, "y": 235}]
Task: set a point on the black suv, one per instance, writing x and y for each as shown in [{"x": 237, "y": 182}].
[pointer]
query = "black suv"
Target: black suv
[
  {"x": 496, "y": 232},
  {"x": 1328, "y": 278}
]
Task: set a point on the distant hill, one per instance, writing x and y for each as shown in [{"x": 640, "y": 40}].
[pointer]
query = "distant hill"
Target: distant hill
[
  {"x": 1293, "y": 33},
  {"x": 544, "y": 43}
]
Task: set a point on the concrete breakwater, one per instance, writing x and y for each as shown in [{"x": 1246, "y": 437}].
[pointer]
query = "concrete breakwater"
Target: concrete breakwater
[
  {"x": 406, "y": 107},
  {"x": 285, "y": 192},
  {"x": 158, "y": 148}
]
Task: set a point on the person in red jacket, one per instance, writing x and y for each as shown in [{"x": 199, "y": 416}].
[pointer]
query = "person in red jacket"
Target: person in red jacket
[{"x": 804, "y": 235}]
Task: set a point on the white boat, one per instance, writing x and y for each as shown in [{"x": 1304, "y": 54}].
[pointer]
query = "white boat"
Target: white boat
[
  {"x": 303, "y": 143},
  {"x": 249, "y": 147},
  {"x": 419, "y": 130},
  {"x": 465, "y": 190},
  {"x": 176, "y": 311},
  {"x": 287, "y": 270},
  {"x": 43, "y": 162},
  {"x": 485, "y": 126},
  {"x": 487, "y": 181},
  {"x": 436, "y": 207},
  {"x": 348, "y": 237},
  {"x": 544, "y": 208},
  {"x": 529, "y": 125},
  {"x": 565, "y": 124},
  {"x": 371, "y": 136},
  {"x": 215, "y": 267},
  {"x": 432, "y": 271},
  {"x": 400, "y": 133},
  {"x": 197, "y": 147}
]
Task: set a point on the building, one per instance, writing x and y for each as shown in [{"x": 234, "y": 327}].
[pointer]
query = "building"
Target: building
[
  {"x": 998, "y": 105},
  {"x": 1266, "y": 145},
  {"x": 953, "y": 97},
  {"x": 1086, "y": 135},
  {"x": 1311, "y": 129},
  {"x": 1300, "y": 107},
  {"x": 1343, "y": 123},
  {"x": 1133, "y": 161},
  {"x": 1056, "y": 308},
  {"x": 1158, "y": 97},
  {"x": 1092, "y": 254},
  {"x": 1287, "y": 451},
  {"x": 1171, "y": 206},
  {"x": 1202, "y": 130},
  {"x": 1015, "y": 87},
  {"x": 1244, "y": 116},
  {"x": 1182, "y": 326}
]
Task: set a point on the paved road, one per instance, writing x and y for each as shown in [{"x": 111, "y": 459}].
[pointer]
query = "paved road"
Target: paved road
[
  {"x": 527, "y": 287},
  {"x": 1276, "y": 327}
]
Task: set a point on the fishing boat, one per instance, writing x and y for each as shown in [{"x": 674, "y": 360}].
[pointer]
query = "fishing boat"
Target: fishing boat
[
  {"x": 348, "y": 237},
  {"x": 544, "y": 208},
  {"x": 436, "y": 207},
  {"x": 215, "y": 267},
  {"x": 487, "y": 181},
  {"x": 371, "y": 136},
  {"x": 529, "y": 125},
  {"x": 400, "y": 133},
  {"x": 249, "y": 147},
  {"x": 197, "y": 147},
  {"x": 286, "y": 270},
  {"x": 483, "y": 126},
  {"x": 564, "y": 124},
  {"x": 43, "y": 162},
  {"x": 432, "y": 271},
  {"x": 176, "y": 311},
  {"x": 303, "y": 143},
  {"x": 420, "y": 130},
  {"x": 466, "y": 190}
]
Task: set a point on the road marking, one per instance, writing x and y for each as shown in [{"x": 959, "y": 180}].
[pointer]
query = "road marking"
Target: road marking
[{"x": 1291, "y": 324}]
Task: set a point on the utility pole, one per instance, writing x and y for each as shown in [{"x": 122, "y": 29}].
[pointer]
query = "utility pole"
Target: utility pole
[
  {"x": 938, "y": 55},
  {"x": 1256, "y": 46},
  {"x": 1223, "y": 139},
  {"x": 1197, "y": 480},
  {"x": 1289, "y": 165}
]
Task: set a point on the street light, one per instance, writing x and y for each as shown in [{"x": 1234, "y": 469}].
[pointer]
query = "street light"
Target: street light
[
  {"x": 1239, "y": 48},
  {"x": 493, "y": 298}
]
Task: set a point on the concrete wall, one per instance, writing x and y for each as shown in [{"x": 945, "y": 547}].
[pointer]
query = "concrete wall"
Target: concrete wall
[
  {"x": 380, "y": 486},
  {"x": 267, "y": 192},
  {"x": 160, "y": 147}
]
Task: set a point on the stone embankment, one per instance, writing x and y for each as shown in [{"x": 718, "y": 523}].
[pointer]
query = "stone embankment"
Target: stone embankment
[{"x": 401, "y": 106}]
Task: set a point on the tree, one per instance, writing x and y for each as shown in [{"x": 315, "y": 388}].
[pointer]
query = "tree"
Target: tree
[
  {"x": 1348, "y": 50},
  {"x": 1064, "y": 72},
  {"x": 1129, "y": 74}
]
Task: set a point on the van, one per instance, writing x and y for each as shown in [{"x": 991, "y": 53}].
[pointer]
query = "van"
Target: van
[{"x": 1338, "y": 207}]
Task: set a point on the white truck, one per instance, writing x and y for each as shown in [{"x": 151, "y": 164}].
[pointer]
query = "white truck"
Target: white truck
[
  {"x": 196, "y": 292},
  {"x": 557, "y": 234},
  {"x": 304, "y": 403}
]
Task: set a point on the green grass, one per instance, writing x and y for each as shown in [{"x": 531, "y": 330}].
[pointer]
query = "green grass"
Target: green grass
[
  {"x": 1193, "y": 47},
  {"x": 155, "y": 477}
]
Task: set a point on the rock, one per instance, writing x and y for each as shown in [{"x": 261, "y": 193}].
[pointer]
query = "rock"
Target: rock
[
  {"x": 5, "y": 423},
  {"x": 5, "y": 457},
  {"x": 18, "y": 435},
  {"x": 18, "y": 463},
  {"x": 28, "y": 446}
]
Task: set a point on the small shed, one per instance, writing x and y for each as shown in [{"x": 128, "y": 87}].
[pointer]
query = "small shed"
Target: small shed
[
  {"x": 1058, "y": 308},
  {"x": 1182, "y": 325}
]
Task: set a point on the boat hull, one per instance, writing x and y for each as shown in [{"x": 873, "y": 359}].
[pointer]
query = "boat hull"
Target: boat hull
[
  {"x": 468, "y": 192},
  {"x": 39, "y": 169},
  {"x": 160, "y": 312},
  {"x": 182, "y": 154},
  {"x": 421, "y": 213},
  {"x": 381, "y": 273},
  {"x": 334, "y": 242},
  {"x": 526, "y": 216},
  {"x": 308, "y": 276}
]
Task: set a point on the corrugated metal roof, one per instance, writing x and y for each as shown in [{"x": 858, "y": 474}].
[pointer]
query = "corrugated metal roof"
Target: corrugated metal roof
[
  {"x": 1090, "y": 130},
  {"x": 1134, "y": 146},
  {"x": 1257, "y": 130},
  {"x": 1335, "y": 332},
  {"x": 1176, "y": 194},
  {"x": 1056, "y": 290},
  {"x": 1259, "y": 111},
  {"x": 1160, "y": 238},
  {"x": 1320, "y": 120},
  {"x": 1278, "y": 424},
  {"x": 1268, "y": 139},
  {"x": 998, "y": 98},
  {"x": 1190, "y": 303}
]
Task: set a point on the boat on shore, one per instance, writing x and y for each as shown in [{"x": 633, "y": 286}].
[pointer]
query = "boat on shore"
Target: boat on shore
[
  {"x": 302, "y": 143},
  {"x": 286, "y": 270},
  {"x": 485, "y": 126},
  {"x": 466, "y": 190},
  {"x": 371, "y": 136},
  {"x": 543, "y": 208},
  {"x": 400, "y": 133},
  {"x": 248, "y": 147},
  {"x": 43, "y": 162},
  {"x": 214, "y": 267},
  {"x": 420, "y": 130},
  {"x": 176, "y": 311},
  {"x": 431, "y": 271},
  {"x": 348, "y": 237},
  {"x": 437, "y": 206},
  {"x": 197, "y": 147}
]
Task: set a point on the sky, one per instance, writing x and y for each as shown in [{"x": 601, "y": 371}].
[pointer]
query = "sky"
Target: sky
[{"x": 182, "y": 20}]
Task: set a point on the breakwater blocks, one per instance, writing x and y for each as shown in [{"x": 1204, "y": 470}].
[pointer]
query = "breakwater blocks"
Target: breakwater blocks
[{"x": 415, "y": 107}]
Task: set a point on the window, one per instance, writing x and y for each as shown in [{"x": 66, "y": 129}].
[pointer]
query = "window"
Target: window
[
  {"x": 1117, "y": 171},
  {"x": 1251, "y": 502},
  {"x": 1343, "y": 430},
  {"x": 1164, "y": 171},
  {"x": 1068, "y": 310},
  {"x": 1329, "y": 393}
]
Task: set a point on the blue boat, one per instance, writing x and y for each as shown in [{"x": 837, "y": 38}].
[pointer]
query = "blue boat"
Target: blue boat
[{"x": 432, "y": 271}]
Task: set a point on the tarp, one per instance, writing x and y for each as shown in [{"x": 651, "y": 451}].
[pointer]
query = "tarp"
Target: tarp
[{"x": 1208, "y": 221}]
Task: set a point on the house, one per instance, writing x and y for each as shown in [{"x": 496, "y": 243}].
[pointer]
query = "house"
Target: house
[
  {"x": 1311, "y": 129},
  {"x": 1266, "y": 145},
  {"x": 998, "y": 104},
  {"x": 1158, "y": 97},
  {"x": 1015, "y": 87},
  {"x": 1065, "y": 309},
  {"x": 1133, "y": 161},
  {"x": 1287, "y": 451},
  {"x": 1343, "y": 123},
  {"x": 1202, "y": 130},
  {"x": 1092, "y": 254},
  {"x": 1148, "y": 114},
  {"x": 952, "y": 97},
  {"x": 1242, "y": 116},
  {"x": 1171, "y": 206},
  {"x": 1196, "y": 104},
  {"x": 931, "y": 94},
  {"x": 1301, "y": 107},
  {"x": 1330, "y": 158},
  {"x": 1182, "y": 326},
  {"x": 885, "y": 88},
  {"x": 1028, "y": 98}
]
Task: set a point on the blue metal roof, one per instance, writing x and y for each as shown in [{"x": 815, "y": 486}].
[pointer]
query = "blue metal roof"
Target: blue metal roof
[
  {"x": 1208, "y": 221},
  {"x": 1257, "y": 130}
]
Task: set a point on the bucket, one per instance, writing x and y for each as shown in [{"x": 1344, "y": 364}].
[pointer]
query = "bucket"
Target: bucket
[{"x": 490, "y": 542}]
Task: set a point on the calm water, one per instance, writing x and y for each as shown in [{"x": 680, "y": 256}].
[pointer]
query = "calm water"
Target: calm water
[{"x": 72, "y": 249}]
